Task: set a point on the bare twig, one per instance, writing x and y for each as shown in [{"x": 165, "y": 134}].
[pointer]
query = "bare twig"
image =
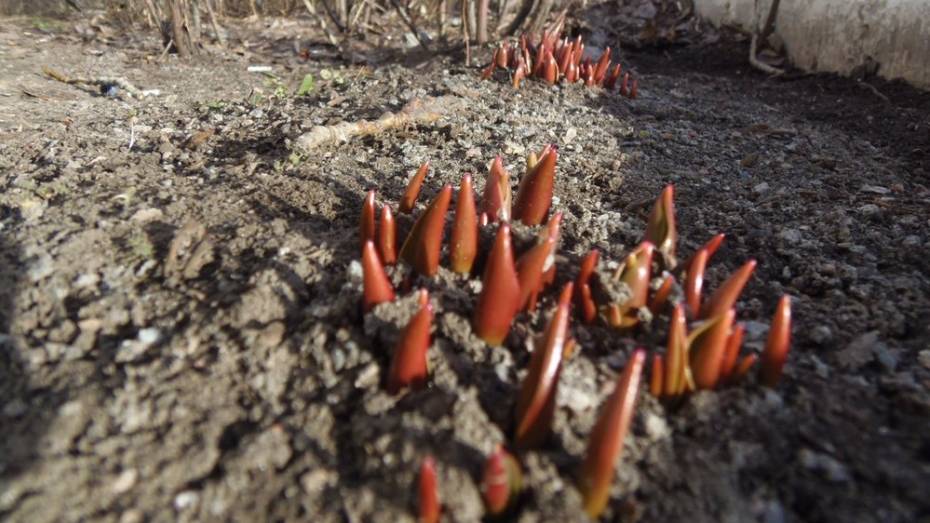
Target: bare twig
[
  {"x": 425, "y": 111},
  {"x": 763, "y": 34},
  {"x": 502, "y": 7},
  {"x": 217, "y": 31},
  {"x": 525, "y": 8},
  {"x": 322, "y": 21},
  {"x": 443, "y": 8},
  {"x": 181, "y": 37},
  {"x": 465, "y": 33},
  {"x": 402, "y": 11},
  {"x": 483, "y": 8},
  {"x": 540, "y": 16},
  {"x": 123, "y": 84},
  {"x": 875, "y": 91},
  {"x": 471, "y": 14}
]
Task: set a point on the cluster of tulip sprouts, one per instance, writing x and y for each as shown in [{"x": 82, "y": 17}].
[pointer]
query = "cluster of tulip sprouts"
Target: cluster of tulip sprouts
[
  {"x": 704, "y": 339},
  {"x": 552, "y": 58}
]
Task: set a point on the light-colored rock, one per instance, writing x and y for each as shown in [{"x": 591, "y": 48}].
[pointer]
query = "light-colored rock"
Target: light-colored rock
[{"x": 842, "y": 36}]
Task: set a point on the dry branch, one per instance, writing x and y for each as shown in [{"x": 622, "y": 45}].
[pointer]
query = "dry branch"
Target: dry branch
[
  {"x": 123, "y": 84},
  {"x": 761, "y": 35},
  {"x": 418, "y": 111}
]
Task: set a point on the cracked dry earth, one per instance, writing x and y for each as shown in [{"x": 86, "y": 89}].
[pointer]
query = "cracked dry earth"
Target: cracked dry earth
[{"x": 180, "y": 328}]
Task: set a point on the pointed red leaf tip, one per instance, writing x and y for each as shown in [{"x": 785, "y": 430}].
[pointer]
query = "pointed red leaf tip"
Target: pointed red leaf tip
[
  {"x": 605, "y": 444},
  {"x": 429, "y": 492},
  {"x": 464, "y": 245},
  {"x": 495, "y": 202},
  {"x": 489, "y": 70},
  {"x": 424, "y": 243},
  {"x": 778, "y": 343},
  {"x": 624, "y": 84},
  {"x": 539, "y": 64},
  {"x": 536, "y": 404},
  {"x": 731, "y": 353},
  {"x": 377, "y": 286},
  {"x": 552, "y": 70},
  {"x": 583, "y": 299},
  {"x": 387, "y": 236},
  {"x": 694, "y": 282},
  {"x": 589, "y": 76},
  {"x": 634, "y": 90},
  {"x": 744, "y": 366},
  {"x": 519, "y": 74},
  {"x": 611, "y": 81},
  {"x": 706, "y": 348},
  {"x": 502, "y": 55},
  {"x": 500, "y": 291},
  {"x": 725, "y": 296},
  {"x": 676, "y": 371},
  {"x": 661, "y": 230},
  {"x": 502, "y": 481},
  {"x": 409, "y": 367},
  {"x": 571, "y": 73},
  {"x": 413, "y": 189},
  {"x": 366, "y": 228},
  {"x": 600, "y": 71},
  {"x": 658, "y": 376},
  {"x": 537, "y": 261},
  {"x": 636, "y": 274},
  {"x": 713, "y": 244},
  {"x": 660, "y": 298},
  {"x": 534, "y": 196}
]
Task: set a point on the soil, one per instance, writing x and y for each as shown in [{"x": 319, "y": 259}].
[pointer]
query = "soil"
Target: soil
[{"x": 180, "y": 290}]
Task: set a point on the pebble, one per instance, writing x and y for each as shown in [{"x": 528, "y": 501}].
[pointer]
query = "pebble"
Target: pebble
[
  {"x": 368, "y": 377},
  {"x": 832, "y": 469},
  {"x": 124, "y": 481},
  {"x": 41, "y": 268},
  {"x": 354, "y": 271},
  {"x": 924, "y": 358},
  {"x": 821, "y": 335},
  {"x": 186, "y": 499},
  {"x": 792, "y": 236},
  {"x": 656, "y": 427},
  {"x": 859, "y": 351},
  {"x": 869, "y": 209},
  {"x": 147, "y": 215},
  {"x": 15, "y": 408},
  {"x": 761, "y": 188}
]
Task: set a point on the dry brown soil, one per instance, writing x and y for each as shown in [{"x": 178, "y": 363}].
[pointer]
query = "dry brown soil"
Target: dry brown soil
[{"x": 179, "y": 315}]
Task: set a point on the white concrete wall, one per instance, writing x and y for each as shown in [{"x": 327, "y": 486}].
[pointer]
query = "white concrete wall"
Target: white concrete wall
[{"x": 842, "y": 35}]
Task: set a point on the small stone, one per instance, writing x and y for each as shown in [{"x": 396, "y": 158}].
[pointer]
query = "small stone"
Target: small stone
[
  {"x": 792, "y": 236},
  {"x": 315, "y": 481},
  {"x": 186, "y": 499},
  {"x": 15, "y": 408},
  {"x": 124, "y": 481},
  {"x": 821, "y": 335},
  {"x": 41, "y": 268},
  {"x": 885, "y": 357},
  {"x": 924, "y": 358},
  {"x": 131, "y": 516},
  {"x": 832, "y": 469},
  {"x": 761, "y": 188},
  {"x": 87, "y": 280},
  {"x": 869, "y": 209},
  {"x": 147, "y": 215},
  {"x": 368, "y": 377},
  {"x": 875, "y": 189},
  {"x": 149, "y": 335},
  {"x": 570, "y": 135},
  {"x": 354, "y": 271},
  {"x": 656, "y": 427},
  {"x": 859, "y": 352}
]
